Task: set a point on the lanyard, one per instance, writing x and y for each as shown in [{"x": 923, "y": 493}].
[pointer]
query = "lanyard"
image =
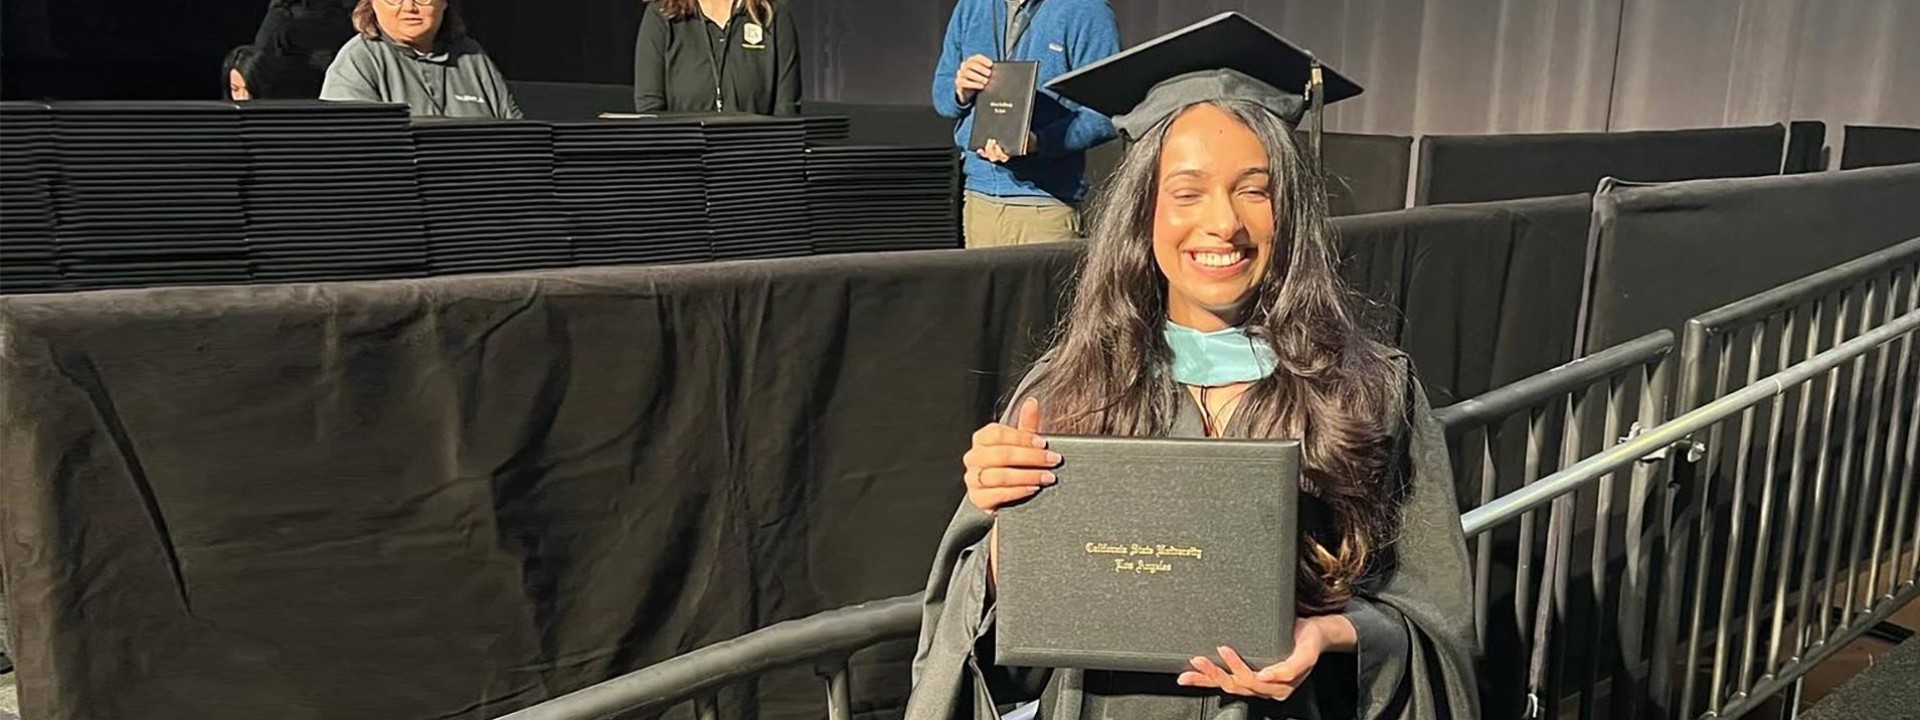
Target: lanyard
[{"x": 719, "y": 63}]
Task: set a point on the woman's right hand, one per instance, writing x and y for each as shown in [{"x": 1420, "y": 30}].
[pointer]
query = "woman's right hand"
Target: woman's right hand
[{"x": 1008, "y": 464}]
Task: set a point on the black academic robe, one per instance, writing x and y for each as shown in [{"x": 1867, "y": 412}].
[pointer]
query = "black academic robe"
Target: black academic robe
[{"x": 1416, "y": 652}]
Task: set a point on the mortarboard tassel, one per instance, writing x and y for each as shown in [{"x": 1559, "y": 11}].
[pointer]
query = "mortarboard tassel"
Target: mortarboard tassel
[{"x": 1316, "y": 95}]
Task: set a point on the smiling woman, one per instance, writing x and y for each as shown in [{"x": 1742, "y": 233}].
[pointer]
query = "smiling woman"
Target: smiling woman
[
  {"x": 417, "y": 52},
  {"x": 1188, "y": 251},
  {"x": 1213, "y": 227},
  {"x": 1207, "y": 306}
]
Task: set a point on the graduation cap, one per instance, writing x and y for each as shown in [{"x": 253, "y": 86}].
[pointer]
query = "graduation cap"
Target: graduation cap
[{"x": 1225, "y": 57}]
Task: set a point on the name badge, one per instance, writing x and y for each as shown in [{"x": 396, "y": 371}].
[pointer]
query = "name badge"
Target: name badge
[{"x": 754, "y": 34}]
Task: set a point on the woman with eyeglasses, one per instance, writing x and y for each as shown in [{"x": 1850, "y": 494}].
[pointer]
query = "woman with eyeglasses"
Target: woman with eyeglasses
[
  {"x": 417, "y": 52},
  {"x": 702, "y": 56}
]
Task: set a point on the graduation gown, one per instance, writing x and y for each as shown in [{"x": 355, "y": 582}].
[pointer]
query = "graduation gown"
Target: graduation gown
[{"x": 1415, "y": 657}]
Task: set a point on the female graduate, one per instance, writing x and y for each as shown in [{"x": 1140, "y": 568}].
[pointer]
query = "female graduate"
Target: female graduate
[
  {"x": 701, "y": 56},
  {"x": 1207, "y": 305}
]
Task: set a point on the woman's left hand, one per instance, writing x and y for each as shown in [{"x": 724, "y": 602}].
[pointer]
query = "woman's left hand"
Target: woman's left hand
[{"x": 1311, "y": 637}]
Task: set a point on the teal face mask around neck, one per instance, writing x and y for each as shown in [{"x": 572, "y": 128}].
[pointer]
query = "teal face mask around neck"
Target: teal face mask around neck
[{"x": 1221, "y": 357}]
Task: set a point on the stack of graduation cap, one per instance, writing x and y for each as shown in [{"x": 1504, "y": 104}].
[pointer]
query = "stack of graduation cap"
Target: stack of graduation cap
[
  {"x": 488, "y": 189},
  {"x": 26, "y": 199},
  {"x": 757, "y": 187},
  {"x": 333, "y": 194},
  {"x": 633, "y": 190},
  {"x": 149, "y": 194},
  {"x": 868, "y": 199},
  {"x": 824, "y": 129}
]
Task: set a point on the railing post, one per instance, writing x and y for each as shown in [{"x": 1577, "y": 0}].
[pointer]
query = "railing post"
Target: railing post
[
  {"x": 839, "y": 693},
  {"x": 1912, "y": 570},
  {"x": 1695, "y": 355},
  {"x": 1881, "y": 474},
  {"x": 1652, "y": 491}
]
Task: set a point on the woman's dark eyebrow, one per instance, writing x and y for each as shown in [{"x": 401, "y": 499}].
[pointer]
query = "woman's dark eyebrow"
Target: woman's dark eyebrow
[{"x": 1202, "y": 174}]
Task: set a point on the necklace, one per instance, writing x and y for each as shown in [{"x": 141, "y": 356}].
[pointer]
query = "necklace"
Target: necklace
[{"x": 1209, "y": 418}]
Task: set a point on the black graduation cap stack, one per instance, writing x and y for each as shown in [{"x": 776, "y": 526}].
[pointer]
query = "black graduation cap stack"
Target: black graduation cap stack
[
  {"x": 26, "y": 199},
  {"x": 868, "y": 199},
  {"x": 825, "y": 129},
  {"x": 757, "y": 187},
  {"x": 149, "y": 194},
  {"x": 333, "y": 194},
  {"x": 488, "y": 189},
  {"x": 633, "y": 190}
]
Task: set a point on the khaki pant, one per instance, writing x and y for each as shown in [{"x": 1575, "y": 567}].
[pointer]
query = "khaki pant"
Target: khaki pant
[{"x": 991, "y": 224}]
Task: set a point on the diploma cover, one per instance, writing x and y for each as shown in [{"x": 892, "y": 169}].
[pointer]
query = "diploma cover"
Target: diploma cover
[
  {"x": 1149, "y": 552},
  {"x": 1004, "y": 110}
]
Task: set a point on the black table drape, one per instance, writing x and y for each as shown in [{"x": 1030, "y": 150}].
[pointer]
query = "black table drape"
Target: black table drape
[
  {"x": 1480, "y": 168},
  {"x": 1665, "y": 253}
]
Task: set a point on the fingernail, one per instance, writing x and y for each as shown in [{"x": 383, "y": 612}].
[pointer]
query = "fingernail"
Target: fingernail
[
  {"x": 1053, "y": 457},
  {"x": 1039, "y": 442},
  {"x": 1223, "y": 650},
  {"x": 1047, "y": 478}
]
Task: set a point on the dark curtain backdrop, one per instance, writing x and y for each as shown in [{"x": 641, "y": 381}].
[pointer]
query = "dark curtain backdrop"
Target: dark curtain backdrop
[{"x": 1430, "y": 66}]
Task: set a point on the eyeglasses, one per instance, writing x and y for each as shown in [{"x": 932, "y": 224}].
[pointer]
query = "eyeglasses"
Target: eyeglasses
[{"x": 417, "y": 3}]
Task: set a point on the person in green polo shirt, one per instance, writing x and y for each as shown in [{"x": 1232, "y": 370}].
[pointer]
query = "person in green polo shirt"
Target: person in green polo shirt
[{"x": 417, "y": 52}]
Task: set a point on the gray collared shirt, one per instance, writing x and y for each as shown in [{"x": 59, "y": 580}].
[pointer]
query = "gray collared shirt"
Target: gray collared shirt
[{"x": 455, "y": 81}]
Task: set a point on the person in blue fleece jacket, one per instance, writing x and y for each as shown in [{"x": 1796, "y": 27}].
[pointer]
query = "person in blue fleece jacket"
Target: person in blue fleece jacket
[{"x": 1035, "y": 197}]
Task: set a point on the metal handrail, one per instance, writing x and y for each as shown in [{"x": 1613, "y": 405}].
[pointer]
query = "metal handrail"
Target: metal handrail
[
  {"x": 1812, "y": 289},
  {"x": 837, "y": 633},
  {"x": 1593, "y": 399},
  {"x": 1808, "y": 288},
  {"x": 1498, "y": 403},
  {"x": 698, "y": 673},
  {"x": 1656, "y": 440},
  {"x": 1779, "y": 682}
]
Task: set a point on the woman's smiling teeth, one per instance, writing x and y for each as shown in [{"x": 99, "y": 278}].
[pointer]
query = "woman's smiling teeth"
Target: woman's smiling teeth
[{"x": 1219, "y": 259}]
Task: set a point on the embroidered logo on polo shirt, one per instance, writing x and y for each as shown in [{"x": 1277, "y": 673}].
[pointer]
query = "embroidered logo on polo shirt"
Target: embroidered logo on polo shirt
[{"x": 754, "y": 35}]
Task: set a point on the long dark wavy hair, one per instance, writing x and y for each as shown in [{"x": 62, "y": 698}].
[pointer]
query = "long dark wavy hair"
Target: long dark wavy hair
[{"x": 1110, "y": 370}]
